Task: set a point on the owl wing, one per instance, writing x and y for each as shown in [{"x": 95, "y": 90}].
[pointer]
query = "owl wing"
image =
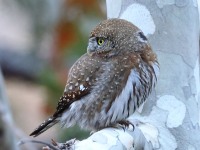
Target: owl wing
[{"x": 79, "y": 83}]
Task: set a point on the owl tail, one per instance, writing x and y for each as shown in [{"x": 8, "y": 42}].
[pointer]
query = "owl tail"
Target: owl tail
[{"x": 44, "y": 126}]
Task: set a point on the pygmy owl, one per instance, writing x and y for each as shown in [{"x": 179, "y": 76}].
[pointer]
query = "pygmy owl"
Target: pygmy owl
[{"x": 108, "y": 83}]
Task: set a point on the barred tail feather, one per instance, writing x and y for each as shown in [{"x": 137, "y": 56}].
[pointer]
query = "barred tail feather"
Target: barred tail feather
[{"x": 44, "y": 126}]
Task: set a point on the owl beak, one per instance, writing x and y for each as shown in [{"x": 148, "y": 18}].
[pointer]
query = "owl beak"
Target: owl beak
[{"x": 91, "y": 45}]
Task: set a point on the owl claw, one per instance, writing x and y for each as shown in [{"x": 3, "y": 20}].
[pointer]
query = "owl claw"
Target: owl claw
[
  {"x": 67, "y": 145},
  {"x": 125, "y": 124}
]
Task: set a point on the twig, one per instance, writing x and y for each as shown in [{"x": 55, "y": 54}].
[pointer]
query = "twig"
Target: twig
[
  {"x": 21, "y": 135},
  {"x": 38, "y": 142}
]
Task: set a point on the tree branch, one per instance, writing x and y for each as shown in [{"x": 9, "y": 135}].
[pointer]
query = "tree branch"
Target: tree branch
[{"x": 7, "y": 138}]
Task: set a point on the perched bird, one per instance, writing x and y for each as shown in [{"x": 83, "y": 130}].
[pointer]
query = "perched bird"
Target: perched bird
[{"x": 108, "y": 83}]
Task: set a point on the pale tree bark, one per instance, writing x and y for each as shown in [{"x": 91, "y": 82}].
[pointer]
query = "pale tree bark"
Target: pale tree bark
[
  {"x": 7, "y": 134},
  {"x": 173, "y": 31},
  {"x": 172, "y": 27},
  {"x": 171, "y": 117}
]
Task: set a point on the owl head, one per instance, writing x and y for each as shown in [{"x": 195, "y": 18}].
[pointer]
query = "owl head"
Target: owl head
[{"x": 115, "y": 36}]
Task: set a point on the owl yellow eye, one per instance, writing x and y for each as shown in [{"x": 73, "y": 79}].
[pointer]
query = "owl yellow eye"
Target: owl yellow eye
[{"x": 100, "y": 41}]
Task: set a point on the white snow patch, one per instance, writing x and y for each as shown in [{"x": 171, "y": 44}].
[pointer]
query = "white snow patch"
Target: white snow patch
[
  {"x": 113, "y": 8},
  {"x": 175, "y": 108},
  {"x": 150, "y": 132},
  {"x": 108, "y": 139},
  {"x": 162, "y": 3},
  {"x": 89, "y": 144},
  {"x": 110, "y": 136},
  {"x": 140, "y": 16},
  {"x": 99, "y": 137},
  {"x": 126, "y": 139}
]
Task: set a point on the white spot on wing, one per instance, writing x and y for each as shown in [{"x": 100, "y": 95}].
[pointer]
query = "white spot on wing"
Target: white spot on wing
[
  {"x": 50, "y": 119},
  {"x": 70, "y": 87},
  {"x": 87, "y": 79},
  {"x": 81, "y": 87}
]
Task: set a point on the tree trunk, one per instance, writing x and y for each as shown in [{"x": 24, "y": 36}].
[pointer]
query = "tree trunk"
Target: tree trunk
[
  {"x": 7, "y": 135},
  {"x": 171, "y": 117},
  {"x": 172, "y": 27}
]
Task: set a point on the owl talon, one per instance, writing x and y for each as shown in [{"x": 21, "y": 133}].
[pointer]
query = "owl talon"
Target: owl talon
[{"x": 125, "y": 124}]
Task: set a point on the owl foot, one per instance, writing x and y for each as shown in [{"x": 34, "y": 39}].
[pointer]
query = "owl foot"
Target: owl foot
[
  {"x": 67, "y": 145},
  {"x": 125, "y": 124}
]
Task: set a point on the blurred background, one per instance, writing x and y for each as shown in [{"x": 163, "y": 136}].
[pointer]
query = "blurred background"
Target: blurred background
[{"x": 39, "y": 42}]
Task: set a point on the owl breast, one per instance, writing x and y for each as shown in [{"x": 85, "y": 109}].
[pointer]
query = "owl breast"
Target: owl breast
[{"x": 138, "y": 86}]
